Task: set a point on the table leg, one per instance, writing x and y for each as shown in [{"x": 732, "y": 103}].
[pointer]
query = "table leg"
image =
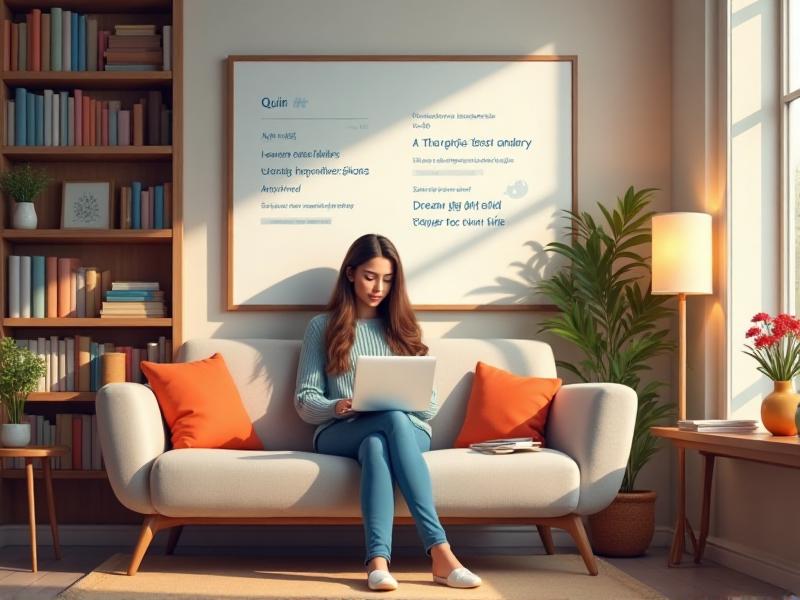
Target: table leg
[
  {"x": 51, "y": 506},
  {"x": 676, "y": 551},
  {"x": 31, "y": 511},
  {"x": 708, "y": 478}
]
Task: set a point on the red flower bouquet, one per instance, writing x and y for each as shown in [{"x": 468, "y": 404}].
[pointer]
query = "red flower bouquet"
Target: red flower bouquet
[{"x": 776, "y": 345}]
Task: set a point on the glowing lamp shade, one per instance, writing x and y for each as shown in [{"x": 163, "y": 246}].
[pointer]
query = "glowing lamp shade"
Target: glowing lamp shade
[{"x": 681, "y": 260}]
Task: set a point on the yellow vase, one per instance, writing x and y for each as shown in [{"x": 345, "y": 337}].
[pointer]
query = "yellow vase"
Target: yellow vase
[{"x": 778, "y": 409}]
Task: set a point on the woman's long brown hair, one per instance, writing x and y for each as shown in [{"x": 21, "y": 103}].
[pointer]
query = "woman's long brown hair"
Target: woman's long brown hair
[{"x": 400, "y": 325}]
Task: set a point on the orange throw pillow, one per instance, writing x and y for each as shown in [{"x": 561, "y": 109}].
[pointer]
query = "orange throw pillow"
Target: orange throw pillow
[
  {"x": 201, "y": 404},
  {"x": 503, "y": 405}
]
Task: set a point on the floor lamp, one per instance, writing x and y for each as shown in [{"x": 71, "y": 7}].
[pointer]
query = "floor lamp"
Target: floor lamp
[{"x": 681, "y": 264}]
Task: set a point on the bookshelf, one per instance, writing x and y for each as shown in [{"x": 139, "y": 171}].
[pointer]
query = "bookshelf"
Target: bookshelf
[{"x": 85, "y": 496}]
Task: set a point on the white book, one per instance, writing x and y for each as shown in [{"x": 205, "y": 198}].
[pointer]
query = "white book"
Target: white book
[
  {"x": 134, "y": 285},
  {"x": 719, "y": 422},
  {"x": 13, "y": 286},
  {"x": 48, "y": 117},
  {"x": 54, "y": 387},
  {"x": 95, "y": 445},
  {"x": 56, "y": 120},
  {"x": 71, "y": 364},
  {"x": 47, "y": 371},
  {"x": 62, "y": 365},
  {"x": 717, "y": 429},
  {"x": 152, "y": 352},
  {"x": 166, "y": 42},
  {"x": 80, "y": 290},
  {"x": 73, "y": 293},
  {"x": 40, "y": 352},
  {"x": 22, "y": 343},
  {"x": 70, "y": 120},
  {"x": 25, "y": 287},
  {"x": 66, "y": 41},
  {"x": 86, "y": 440},
  {"x": 10, "y": 118}
]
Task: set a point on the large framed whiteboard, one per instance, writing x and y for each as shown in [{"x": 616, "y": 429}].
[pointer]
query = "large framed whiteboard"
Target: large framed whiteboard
[{"x": 464, "y": 162}]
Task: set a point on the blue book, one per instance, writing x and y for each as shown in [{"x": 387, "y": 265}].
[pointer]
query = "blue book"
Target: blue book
[
  {"x": 112, "y": 127},
  {"x": 37, "y": 287},
  {"x": 30, "y": 118},
  {"x": 63, "y": 106},
  {"x": 136, "y": 205},
  {"x": 39, "y": 119},
  {"x": 94, "y": 367},
  {"x": 73, "y": 51},
  {"x": 82, "y": 43},
  {"x": 55, "y": 38},
  {"x": 20, "y": 118},
  {"x": 158, "y": 208},
  {"x": 130, "y": 295}
]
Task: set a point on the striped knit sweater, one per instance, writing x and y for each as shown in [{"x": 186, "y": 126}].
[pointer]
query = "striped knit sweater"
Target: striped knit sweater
[{"x": 317, "y": 392}]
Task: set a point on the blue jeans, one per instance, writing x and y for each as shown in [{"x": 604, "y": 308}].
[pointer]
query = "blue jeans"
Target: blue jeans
[{"x": 389, "y": 448}]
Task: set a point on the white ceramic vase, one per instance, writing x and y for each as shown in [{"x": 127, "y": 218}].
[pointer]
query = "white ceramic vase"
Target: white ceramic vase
[
  {"x": 15, "y": 435},
  {"x": 25, "y": 215}
]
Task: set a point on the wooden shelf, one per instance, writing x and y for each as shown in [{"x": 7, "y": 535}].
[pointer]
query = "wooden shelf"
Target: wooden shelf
[
  {"x": 61, "y": 397},
  {"x": 83, "y": 236},
  {"x": 56, "y": 473},
  {"x": 93, "y": 6},
  {"x": 84, "y": 153},
  {"x": 91, "y": 80},
  {"x": 84, "y": 322}
]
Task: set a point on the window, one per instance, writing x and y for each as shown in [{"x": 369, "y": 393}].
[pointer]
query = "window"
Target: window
[{"x": 791, "y": 111}]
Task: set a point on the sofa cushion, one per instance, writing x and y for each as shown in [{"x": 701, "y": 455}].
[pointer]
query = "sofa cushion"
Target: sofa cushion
[
  {"x": 196, "y": 482},
  {"x": 201, "y": 404},
  {"x": 505, "y": 405}
]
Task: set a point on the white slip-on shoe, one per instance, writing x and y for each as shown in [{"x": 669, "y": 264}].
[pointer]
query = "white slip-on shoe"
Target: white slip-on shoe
[
  {"x": 381, "y": 581},
  {"x": 461, "y": 577}
]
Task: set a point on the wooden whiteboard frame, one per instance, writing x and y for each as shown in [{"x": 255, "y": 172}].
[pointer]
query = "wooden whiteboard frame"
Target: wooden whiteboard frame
[{"x": 228, "y": 259}]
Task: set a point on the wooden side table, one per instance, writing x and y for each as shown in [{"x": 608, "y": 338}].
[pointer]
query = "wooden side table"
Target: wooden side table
[{"x": 29, "y": 453}]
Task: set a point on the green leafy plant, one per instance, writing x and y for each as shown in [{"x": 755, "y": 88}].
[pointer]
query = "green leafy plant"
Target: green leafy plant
[
  {"x": 604, "y": 311},
  {"x": 23, "y": 183},
  {"x": 20, "y": 371}
]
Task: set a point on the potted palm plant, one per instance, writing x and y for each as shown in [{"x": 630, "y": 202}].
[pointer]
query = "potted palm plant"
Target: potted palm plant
[
  {"x": 20, "y": 371},
  {"x": 23, "y": 184},
  {"x": 607, "y": 311}
]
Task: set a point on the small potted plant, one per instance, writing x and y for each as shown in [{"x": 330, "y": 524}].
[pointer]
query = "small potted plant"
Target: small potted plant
[
  {"x": 20, "y": 371},
  {"x": 23, "y": 184}
]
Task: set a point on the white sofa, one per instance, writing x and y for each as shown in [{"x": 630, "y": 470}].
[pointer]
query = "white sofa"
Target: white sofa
[{"x": 588, "y": 439}]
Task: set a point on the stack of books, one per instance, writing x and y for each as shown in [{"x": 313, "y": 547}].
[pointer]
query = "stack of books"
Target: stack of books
[
  {"x": 507, "y": 445},
  {"x": 137, "y": 48},
  {"x": 719, "y": 425},
  {"x": 137, "y": 299}
]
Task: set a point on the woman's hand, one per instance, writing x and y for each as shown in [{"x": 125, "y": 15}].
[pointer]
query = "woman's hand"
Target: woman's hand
[{"x": 344, "y": 408}]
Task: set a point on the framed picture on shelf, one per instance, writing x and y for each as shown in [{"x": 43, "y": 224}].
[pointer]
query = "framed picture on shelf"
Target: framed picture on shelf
[{"x": 87, "y": 205}]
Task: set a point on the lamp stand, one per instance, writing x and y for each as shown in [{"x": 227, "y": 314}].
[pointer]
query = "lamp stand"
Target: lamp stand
[{"x": 681, "y": 356}]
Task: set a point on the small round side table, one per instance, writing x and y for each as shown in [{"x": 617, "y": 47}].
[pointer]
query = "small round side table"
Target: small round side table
[{"x": 44, "y": 453}]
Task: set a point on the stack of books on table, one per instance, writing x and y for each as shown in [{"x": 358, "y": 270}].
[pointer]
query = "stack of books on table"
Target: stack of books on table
[
  {"x": 507, "y": 445},
  {"x": 138, "y": 299},
  {"x": 719, "y": 425}
]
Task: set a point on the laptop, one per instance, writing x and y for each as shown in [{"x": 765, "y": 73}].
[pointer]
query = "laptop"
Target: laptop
[{"x": 393, "y": 383}]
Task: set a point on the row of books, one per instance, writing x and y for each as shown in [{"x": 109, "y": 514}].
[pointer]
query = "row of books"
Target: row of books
[
  {"x": 73, "y": 364},
  {"x": 76, "y": 431},
  {"x": 145, "y": 208},
  {"x": 718, "y": 425},
  {"x": 56, "y": 118},
  {"x": 53, "y": 287},
  {"x": 64, "y": 40}
]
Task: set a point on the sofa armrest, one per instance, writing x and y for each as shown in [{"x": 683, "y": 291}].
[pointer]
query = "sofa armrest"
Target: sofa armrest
[
  {"x": 593, "y": 424},
  {"x": 132, "y": 436}
]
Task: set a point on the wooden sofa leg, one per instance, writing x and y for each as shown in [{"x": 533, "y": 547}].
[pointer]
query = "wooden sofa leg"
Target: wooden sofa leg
[
  {"x": 547, "y": 538},
  {"x": 174, "y": 535},
  {"x": 574, "y": 527},
  {"x": 149, "y": 528}
]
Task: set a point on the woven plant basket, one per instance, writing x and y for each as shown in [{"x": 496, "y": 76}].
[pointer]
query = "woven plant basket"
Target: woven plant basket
[{"x": 626, "y": 527}]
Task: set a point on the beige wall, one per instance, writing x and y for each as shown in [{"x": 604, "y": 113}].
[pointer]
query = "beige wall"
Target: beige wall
[{"x": 623, "y": 49}]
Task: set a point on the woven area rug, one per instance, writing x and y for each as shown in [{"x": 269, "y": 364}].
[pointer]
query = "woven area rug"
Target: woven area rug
[{"x": 560, "y": 576}]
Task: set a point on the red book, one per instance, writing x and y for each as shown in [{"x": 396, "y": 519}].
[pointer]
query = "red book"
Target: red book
[
  {"x": 78, "y": 120},
  {"x": 102, "y": 44},
  {"x": 87, "y": 121},
  {"x": 35, "y": 33},
  {"x": 138, "y": 124},
  {"x": 94, "y": 108},
  {"x": 77, "y": 441},
  {"x": 64, "y": 273},
  {"x": 104, "y": 124},
  {"x": 51, "y": 285}
]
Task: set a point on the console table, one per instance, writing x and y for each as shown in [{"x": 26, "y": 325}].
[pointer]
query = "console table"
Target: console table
[{"x": 765, "y": 448}]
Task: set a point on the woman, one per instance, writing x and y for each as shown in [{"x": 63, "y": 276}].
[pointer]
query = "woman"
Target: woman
[{"x": 369, "y": 313}]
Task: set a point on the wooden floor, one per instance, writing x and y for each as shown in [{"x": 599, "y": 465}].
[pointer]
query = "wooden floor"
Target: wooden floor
[{"x": 688, "y": 582}]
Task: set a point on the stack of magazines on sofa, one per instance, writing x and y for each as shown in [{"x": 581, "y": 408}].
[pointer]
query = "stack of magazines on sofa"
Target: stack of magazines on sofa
[
  {"x": 718, "y": 425},
  {"x": 507, "y": 445}
]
